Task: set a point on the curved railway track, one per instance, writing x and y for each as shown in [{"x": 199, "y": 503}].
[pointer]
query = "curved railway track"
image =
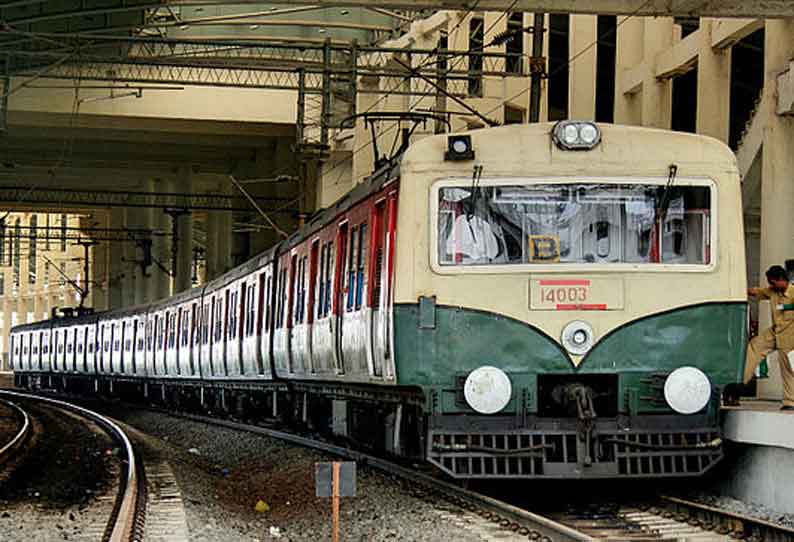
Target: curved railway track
[
  {"x": 124, "y": 523},
  {"x": 18, "y": 437}
]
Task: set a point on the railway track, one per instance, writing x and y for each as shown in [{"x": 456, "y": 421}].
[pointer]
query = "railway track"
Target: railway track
[
  {"x": 124, "y": 523},
  {"x": 12, "y": 438},
  {"x": 669, "y": 518}
]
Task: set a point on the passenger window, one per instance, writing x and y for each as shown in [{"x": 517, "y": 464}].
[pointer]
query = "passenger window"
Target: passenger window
[
  {"x": 351, "y": 268},
  {"x": 251, "y": 304},
  {"x": 361, "y": 264}
]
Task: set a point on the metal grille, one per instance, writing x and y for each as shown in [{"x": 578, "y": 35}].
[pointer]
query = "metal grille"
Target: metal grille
[{"x": 527, "y": 454}]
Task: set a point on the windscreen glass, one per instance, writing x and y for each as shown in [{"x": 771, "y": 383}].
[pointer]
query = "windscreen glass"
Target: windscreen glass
[{"x": 574, "y": 223}]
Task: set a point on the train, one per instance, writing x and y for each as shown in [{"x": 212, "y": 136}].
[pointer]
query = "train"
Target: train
[{"x": 538, "y": 301}]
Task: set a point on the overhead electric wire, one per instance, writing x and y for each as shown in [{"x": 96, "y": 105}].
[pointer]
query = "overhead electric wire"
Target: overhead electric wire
[{"x": 459, "y": 56}]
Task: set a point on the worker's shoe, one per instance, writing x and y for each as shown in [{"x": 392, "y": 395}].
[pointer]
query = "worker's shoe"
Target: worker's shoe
[{"x": 787, "y": 407}]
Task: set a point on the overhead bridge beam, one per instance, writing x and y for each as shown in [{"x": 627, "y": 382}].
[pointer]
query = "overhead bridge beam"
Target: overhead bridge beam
[
  {"x": 11, "y": 196},
  {"x": 704, "y": 8}
]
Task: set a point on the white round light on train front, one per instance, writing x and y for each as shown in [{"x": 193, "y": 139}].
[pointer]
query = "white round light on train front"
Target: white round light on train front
[
  {"x": 459, "y": 146},
  {"x": 577, "y": 337},
  {"x": 572, "y": 135},
  {"x": 588, "y": 134},
  {"x": 687, "y": 390},
  {"x": 487, "y": 389}
]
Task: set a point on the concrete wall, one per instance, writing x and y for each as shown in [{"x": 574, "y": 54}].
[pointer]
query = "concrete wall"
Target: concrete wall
[{"x": 762, "y": 475}]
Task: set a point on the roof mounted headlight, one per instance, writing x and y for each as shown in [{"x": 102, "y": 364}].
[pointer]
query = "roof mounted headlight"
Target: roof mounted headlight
[{"x": 572, "y": 135}]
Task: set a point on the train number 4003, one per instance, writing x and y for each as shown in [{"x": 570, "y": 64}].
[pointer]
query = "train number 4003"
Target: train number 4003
[{"x": 578, "y": 294}]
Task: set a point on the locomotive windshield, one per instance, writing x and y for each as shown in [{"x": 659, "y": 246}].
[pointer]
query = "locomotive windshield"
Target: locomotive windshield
[{"x": 573, "y": 223}]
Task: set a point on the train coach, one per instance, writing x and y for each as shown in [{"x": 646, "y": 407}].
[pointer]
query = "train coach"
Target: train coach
[{"x": 531, "y": 301}]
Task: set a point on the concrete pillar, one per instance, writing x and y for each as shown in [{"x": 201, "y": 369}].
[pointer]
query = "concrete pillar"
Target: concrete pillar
[
  {"x": 777, "y": 188},
  {"x": 149, "y": 219},
  {"x": 582, "y": 73},
  {"x": 657, "y": 96},
  {"x": 99, "y": 255},
  {"x": 184, "y": 242},
  {"x": 225, "y": 241},
  {"x": 212, "y": 225},
  {"x": 161, "y": 248},
  {"x": 137, "y": 219},
  {"x": 129, "y": 269},
  {"x": 714, "y": 86},
  {"x": 116, "y": 267},
  {"x": 628, "y": 55}
]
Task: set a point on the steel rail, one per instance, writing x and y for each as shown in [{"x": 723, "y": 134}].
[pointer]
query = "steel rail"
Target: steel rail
[
  {"x": 21, "y": 435},
  {"x": 729, "y": 522},
  {"x": 122, "y": 523},
  {"x": 496, "y": 510}
]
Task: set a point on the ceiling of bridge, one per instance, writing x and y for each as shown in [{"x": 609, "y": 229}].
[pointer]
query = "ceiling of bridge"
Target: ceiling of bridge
[{"x": 41, "y": 24}]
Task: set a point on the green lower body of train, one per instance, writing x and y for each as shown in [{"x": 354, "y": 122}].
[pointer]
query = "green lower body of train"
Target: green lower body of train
[{"x": 630, "y": 431}]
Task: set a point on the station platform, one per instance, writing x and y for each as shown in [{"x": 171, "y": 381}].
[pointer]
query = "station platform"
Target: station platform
[{"x": 760, "y": 454}]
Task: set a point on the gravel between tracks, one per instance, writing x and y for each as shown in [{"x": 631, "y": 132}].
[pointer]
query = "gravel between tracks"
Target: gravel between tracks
[
  {"x": 223, "y": 473},
  {"x": 52, "y": 495},
  {"x": 740, "y": 507}
]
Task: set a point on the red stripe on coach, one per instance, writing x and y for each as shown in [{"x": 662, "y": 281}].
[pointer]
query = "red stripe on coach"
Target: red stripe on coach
[{"x": 561, "y": 282}]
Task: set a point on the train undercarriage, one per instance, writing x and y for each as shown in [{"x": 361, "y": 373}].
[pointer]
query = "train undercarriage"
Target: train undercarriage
[{"x": 394, "y": 422}]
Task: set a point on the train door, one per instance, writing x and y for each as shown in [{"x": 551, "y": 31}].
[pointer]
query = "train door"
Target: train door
[
  {"x": 151, "y": 340},
  {"x": 116, "y": 338},
  {"x": 195, "y": 346},
  {"x": 186, "y": 333},
  {"x": 35, "y": 341},
  {"x": 265, "y": 321},
  {"x": 90, "y": 348},
  {"x": 44, "y": 352},
  {"x": 299, "y": 347},
  {"x": 290, "y": 310},
  {"x": 71, "y": 349},
  {"x": 128, "y": 346},
  {"x": 339, "y": 294},
  {"x": 171, "y": 348},
  {"x": 161, "y": 323},
  {"x": 80, "y": 355},
  {"x": 139, "y": 356},
  {"x": 309, "y": 303},
  {"x": 251, "y": 311},
  {"x": 233, "y": 339},
  {"x": 205, "y": 348},
  {"x": 380, "y": 280},
  {"x": 219, "y": 316}
]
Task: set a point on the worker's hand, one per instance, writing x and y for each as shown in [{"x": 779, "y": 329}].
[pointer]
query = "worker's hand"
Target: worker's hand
[{"x": 752, "y": 292}]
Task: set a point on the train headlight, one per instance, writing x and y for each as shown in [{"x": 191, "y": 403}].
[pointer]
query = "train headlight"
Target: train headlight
[
  {"x": 487, "y": 390},
  {"x": 459, "y": 148},
  {"x": 577, "y": 337},
  {"x": 576, "y": 135},
  {"x": 687, "y": 390}
]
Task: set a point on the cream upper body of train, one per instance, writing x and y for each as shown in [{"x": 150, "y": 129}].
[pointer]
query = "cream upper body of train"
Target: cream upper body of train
[{"x": 531, "y": 301}]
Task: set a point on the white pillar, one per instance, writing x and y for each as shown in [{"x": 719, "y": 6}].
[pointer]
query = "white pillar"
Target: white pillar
[
  {"x": 777, "y": 188},
  {"x": 714, "y": 86},
  {"x": 582, "y": 78}
]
